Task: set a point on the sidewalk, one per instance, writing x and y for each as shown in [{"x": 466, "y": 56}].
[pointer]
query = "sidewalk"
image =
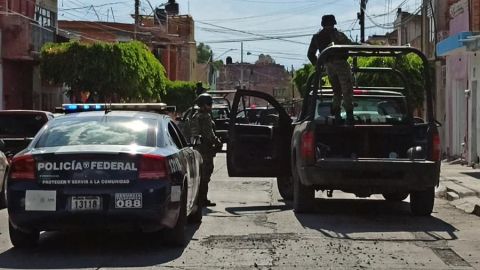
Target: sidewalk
[{"x": 461, "y": 186}]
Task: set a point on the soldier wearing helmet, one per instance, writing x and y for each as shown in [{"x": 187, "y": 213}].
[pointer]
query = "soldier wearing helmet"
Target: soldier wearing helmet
[
  {"x": 337, "y": 67},
  {"x": 200, "y": 89},
  {"x": 203, "y": 125}
]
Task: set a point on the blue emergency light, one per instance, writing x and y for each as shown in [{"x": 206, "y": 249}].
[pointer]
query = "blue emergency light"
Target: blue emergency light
[{"x": 73, "y": 108}]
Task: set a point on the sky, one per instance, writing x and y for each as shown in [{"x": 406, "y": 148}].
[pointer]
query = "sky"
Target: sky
[{"x": 281, "y": 28}]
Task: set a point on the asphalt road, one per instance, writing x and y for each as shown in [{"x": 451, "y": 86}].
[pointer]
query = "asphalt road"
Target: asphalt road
[{"x": 251, "y": 227}]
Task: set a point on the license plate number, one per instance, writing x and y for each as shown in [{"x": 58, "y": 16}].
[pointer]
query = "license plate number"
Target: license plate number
[
  {"x": 128, "y": 200},
  {"x": 85, "y": 203}
]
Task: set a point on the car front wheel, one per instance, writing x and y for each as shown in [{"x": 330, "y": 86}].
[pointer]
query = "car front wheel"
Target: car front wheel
[
  {"x": 285, "y": 187},
  {"x": 176, "y": 235}
]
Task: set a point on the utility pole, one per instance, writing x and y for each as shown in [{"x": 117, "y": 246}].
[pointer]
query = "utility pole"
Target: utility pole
[
  {"x": 137, "y": 14},
  {"x": 241, "y": 65},
  {"x": 361, "y": 18},
  {"x": 425, "y": 31}
]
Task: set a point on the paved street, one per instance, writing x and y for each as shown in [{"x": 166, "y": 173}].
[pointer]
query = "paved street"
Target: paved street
[{"x": 251, "y": 227}]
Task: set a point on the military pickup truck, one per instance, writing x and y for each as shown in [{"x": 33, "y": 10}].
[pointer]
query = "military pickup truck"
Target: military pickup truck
[{"x": 387, "y": 151}]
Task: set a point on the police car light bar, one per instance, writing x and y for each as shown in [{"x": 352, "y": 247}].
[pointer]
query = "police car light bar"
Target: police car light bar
[{"x": 75, "y": 108}]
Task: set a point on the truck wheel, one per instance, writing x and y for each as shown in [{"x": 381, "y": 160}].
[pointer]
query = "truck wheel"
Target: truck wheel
[
  {"x": 395, "y": 197},
  {"x": 176, "y": 236},
  {"x": 23, "y": 239},
  {"x": 285, "y": 187},
  {"x": 421, "y": 202},
  {"x": 303, "y": 197}
]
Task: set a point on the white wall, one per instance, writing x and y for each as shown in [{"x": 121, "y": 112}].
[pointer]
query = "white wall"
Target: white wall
[{"x": 474, "y": 109}]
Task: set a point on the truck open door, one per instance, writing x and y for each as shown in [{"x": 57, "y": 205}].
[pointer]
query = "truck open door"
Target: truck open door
[{"x": 259, "y": 136}]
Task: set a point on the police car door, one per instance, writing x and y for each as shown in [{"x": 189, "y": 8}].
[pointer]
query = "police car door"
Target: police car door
[{"x": 259, "y": 136}]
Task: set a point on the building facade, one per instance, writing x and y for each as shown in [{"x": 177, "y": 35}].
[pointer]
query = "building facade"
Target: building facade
[
  {"x": 460, "y": 54},
  {"x": 25, "y": 25},
  {"x": 175, "y": 49}
]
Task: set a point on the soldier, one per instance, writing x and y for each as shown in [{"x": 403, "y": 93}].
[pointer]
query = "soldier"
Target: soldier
[
  {"x": 338, "y": 69},
  {"x": 202, "y": 124},
  {"x": 200, "y": 89}
]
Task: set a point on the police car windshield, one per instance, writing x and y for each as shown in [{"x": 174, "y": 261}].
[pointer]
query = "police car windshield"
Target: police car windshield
[
  {"x": 369, "y": 109},
  {"x": 98, "y": 130}
]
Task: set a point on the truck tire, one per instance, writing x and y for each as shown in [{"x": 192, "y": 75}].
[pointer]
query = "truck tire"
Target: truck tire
[
  {"x": 303, "y": 197},
  {"x": 175, "y": 236},
  {"x": 285, "y": 187},
  {"x": 421, "y": 202},
  {"x": 21, "y": 238},
  {"x": 395, "y": 197}
]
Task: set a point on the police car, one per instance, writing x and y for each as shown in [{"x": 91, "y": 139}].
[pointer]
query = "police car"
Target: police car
[{"x": 109, "y": 166}]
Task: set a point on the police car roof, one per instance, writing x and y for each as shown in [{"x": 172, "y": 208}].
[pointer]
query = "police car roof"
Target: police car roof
[{"x": 133, "y": 114}]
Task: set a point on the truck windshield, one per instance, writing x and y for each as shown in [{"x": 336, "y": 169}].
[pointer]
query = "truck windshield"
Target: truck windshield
[{"x": 369, "y": 109}]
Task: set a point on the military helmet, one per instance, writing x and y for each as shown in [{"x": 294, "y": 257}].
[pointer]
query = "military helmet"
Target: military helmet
[
  {"x": 204, "y": 99},
  {"x": 199, "y": 84},
  {"x": 328, "y": 20}
]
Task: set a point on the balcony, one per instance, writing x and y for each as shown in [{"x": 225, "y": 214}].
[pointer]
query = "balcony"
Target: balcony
[{"x": 40, "y": 36}]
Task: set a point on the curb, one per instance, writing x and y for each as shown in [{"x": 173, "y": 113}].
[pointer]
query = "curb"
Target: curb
[{"x": 459, "y": 196}]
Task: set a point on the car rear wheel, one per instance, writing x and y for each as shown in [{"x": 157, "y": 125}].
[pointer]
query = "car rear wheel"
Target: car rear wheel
[
  {"x": 303, "y": 196},
  {"x": 395, "y": 197},
  {"x": 421, "y": 202},
  {"x": 176, "y": 235},
  {"x": 22, "y": 238},
  {"x": 285, "y": 187}
]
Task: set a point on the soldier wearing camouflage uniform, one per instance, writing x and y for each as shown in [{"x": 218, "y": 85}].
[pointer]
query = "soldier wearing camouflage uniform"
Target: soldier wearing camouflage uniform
[
  {"x": 338, "y": 69},
  {"x": 203, "y": 125}
]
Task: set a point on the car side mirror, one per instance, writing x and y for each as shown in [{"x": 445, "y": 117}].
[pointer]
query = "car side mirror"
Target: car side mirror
[{"x": 2, "y": 145}]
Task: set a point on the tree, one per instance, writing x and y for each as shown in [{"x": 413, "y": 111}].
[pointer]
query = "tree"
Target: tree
[
  {"x": 410, "y": 65},
  {"x": 265, "y": 60},
  {"x": 180, "y": 93},
  {"x": 127, "y": 71},
  {"x": 300, "y": 78},
  {"x": 204, "y": 53}
]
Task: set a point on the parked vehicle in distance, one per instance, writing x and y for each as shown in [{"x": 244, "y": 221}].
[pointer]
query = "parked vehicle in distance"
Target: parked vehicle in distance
[
  {"x": 105, "y": 168},
  {"x": 18, "y": 127},
  {"x": 387, "y": 151}
]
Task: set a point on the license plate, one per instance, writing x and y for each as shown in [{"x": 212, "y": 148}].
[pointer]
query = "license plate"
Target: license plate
[
  {"x": 85, "y": 203},
  {"x": 128, "y": 200}
]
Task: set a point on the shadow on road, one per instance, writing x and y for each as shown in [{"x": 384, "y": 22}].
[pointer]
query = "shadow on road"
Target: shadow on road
[
  {"x": 374, "y": 220},
  {"x": 238, "y": 211},
  {"x": 94, "y": 250}
]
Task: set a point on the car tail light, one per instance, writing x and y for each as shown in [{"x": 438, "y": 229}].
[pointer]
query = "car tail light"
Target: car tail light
[
  {"x": 436, "y": 147},
  {"x": 23, "y": 168},
  {"x": 152, "y": 167},
  {"x": 308, "y": 147},
  {"x": 359, "y": 92}
]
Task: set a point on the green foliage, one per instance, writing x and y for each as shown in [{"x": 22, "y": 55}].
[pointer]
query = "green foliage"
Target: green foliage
[
  {"x": 204, "y": 52},
  {"x": 180, "y": 94},
  {"x": 300, "y": 78},
  {"x": 128, "y": 71},
  {"x": 410, "y": 65}
]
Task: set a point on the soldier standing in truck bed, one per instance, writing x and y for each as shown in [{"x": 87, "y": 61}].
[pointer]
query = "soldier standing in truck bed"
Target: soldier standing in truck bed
[{"x": 338, "y": 69}]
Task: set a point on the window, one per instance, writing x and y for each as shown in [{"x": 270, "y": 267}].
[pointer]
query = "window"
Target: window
[
  {"x": 257, "y": 111},
  {"x": 45, "y": 17},
  {"x": 99, "y": 130},
  {"x": 175, "y": 135},
  {"x": 25, "y": 125}
]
